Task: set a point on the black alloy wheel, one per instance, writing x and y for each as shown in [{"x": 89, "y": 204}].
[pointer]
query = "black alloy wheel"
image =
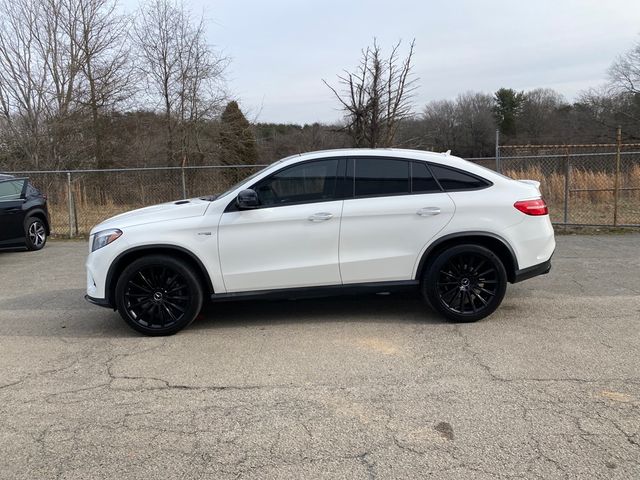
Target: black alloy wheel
[
  {"x": 158, "y": 295},
  {"x": 465, "y": 283},
  {"x": 35, "y": 233}
]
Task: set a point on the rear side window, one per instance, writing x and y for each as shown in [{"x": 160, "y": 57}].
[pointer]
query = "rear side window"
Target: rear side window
[
  {"x": 381, "y": 176},
  {"x": 422, "y": 180},
  {"x": 451, "y": 179},
  {"x": 11, "y": 189},
  {"x": 303, "y": 183},
  {"x": 32, "y": 191}
]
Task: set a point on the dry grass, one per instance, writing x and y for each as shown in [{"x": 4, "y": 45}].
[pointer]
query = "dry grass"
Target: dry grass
[
  {"x": 87, "y": 216},
  {"x": 580, "y": 179},
  {"x": 594, "y": 203}
]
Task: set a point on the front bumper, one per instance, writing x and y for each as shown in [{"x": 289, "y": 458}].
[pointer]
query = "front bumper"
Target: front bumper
[{"x": 533, "y": 271}]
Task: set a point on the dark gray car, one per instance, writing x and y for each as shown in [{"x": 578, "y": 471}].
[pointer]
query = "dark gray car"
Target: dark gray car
[{"x": 24, "y": 216}]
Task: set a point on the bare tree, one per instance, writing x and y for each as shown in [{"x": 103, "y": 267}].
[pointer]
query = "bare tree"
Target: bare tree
[
  {"x": 100, "y": 38},
  {"x": 23, "y": 78},
  {"x": 55, "y": 46},
  {"x": 200, "y": 90},
  {"x": 539, "y": 112},
  {"x": 465, "y": 125},
  {"x": 440, "y": 122},
  {"x": 624, "y": 73},
  {"x": 180, "y": 68},
  {"x": 377, "y": 96},
  {"x": 476, "y": 123},
  {"x": 154, "y": 31}
]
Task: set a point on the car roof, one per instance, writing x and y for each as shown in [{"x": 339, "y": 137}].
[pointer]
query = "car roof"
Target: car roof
[
  {"x": 445, "y": 158},
  {"x": 5, "y": 178},
  {"x": 407, "y": 154}
]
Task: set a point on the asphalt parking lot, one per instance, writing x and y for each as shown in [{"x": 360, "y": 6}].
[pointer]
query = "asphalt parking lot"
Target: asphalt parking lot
[{"x": 356, "y": 387}]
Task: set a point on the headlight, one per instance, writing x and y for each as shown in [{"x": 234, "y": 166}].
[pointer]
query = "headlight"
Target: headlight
[{"x": 104, "y": 238}]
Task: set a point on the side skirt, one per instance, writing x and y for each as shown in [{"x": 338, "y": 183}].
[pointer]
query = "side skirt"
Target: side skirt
[{"x": 318, "y": 292}]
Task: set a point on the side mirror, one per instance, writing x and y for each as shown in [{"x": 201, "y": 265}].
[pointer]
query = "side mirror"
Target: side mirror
[{"x": 247, "y": 199}]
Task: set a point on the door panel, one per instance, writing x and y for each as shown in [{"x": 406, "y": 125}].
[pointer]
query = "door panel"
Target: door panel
[
  {"x": 11, "y": 213},
  {"x": 381, "y": 237},
  {"x": 11, "y": 222},
  {"x": 280, "y": 247}
]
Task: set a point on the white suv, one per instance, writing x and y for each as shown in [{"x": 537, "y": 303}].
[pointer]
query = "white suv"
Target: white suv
[{"x": 323, "y": 223}]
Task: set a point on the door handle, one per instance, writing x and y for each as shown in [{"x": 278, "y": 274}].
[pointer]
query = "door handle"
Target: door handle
[
  {"x": 320, "y": 217},
  {"x": 429, "y": 211}
]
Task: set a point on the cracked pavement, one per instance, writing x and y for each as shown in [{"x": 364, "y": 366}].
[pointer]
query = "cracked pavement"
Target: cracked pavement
[{"x": 365, "y": 387}]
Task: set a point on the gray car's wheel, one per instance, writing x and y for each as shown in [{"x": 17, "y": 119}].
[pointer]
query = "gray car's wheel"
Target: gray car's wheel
[
  {"x": 35, "y": 233},
  {"x": 465, "y": 283},
  {"x": 158, "y": 295}
]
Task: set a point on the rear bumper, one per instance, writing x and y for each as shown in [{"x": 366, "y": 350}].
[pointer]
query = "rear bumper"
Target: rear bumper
[
  {"x": 533, "y": 271},
  {"x": 101, "y": 302}
]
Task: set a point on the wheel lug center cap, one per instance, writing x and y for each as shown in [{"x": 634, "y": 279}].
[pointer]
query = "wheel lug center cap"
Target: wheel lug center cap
[
  {"x": 157, "y": 297},
  {"x": 464, "y": 282}
]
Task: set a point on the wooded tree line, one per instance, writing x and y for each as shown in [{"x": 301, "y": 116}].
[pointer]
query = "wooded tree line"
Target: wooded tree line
[{"x": 83, "y": 85}]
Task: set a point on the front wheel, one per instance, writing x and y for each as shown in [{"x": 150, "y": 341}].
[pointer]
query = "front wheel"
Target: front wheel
[
  {"x": 158, "y": 295},
  {"x": 465, "y": 283}
]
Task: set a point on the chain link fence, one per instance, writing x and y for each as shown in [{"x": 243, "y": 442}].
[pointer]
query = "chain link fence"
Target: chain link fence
[
  {"x": 80, "y": 199},
  {"x": 588, "y": 185},
  {"x": 584, "y": 185}
]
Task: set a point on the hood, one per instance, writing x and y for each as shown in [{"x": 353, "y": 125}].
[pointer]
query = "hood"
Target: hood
[{"x": 194, "y": 207}]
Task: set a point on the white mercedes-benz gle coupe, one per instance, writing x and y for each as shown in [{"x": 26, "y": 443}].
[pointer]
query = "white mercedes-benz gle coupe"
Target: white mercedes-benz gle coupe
[{"x": 324, "y": 223}]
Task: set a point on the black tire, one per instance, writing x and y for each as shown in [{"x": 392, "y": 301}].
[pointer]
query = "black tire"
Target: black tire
[
  {"x": 465, "y": 283},
  {"x": 35, "y": 233},
  {"x": 158, "y": 295}
]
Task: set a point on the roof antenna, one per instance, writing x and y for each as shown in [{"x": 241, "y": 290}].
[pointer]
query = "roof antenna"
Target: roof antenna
[{"x": 448, "y": 152}]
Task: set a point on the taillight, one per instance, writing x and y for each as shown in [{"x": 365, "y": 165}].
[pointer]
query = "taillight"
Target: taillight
[{"x": 532, "y": 207}]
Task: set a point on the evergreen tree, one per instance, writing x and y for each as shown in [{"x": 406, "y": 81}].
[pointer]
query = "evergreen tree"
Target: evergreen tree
[
  {"x": 507, "y": 109},
  {"x": 237, "y": 141}
]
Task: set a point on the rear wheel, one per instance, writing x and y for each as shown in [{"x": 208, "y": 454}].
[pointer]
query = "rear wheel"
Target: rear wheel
[
  {"x": 158, "y": 295},
  {"x": 465, "y": 283},
  {"x": 35, "y": 233}
]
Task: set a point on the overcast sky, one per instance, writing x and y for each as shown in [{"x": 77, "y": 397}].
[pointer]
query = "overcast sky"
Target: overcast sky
[{"x": 281, "y": 50}]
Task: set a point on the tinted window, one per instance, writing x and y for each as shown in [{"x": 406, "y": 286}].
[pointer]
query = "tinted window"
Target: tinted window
[
  {"x": 11, "y": 190},
  {"x": 381, "y": 176},
  {"x": 303, "y": 183},
  {"x": 421, "y": 179},
  {"x": 451, "y": 179}
]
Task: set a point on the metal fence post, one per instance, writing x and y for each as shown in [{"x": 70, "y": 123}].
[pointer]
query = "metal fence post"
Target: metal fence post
[
  {"x": 616, "y": 186},
  {"x": 184, "y": 183},
  {"x": 70, "y": 204},
  {"x": 498, "y": 161},
  {"x": 566, "y": 188}
]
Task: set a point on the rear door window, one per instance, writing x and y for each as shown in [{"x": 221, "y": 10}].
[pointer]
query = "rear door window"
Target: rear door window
[
  {"x": 32, "y": 191},
  {"x": 381, "y": 177},
  {"x": 11, "y": 190},
  {"x": 422, "y": 180}
]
